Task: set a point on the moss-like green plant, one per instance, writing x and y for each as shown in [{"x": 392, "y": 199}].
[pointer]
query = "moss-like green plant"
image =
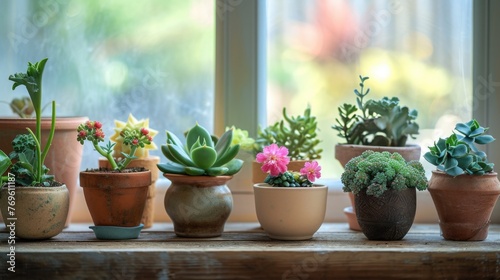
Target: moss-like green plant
[
  {"x": 381, "y": 122},
  {"x": 201, "y": 154},
  {"x": 376, "y": 172},
  {"x": 458, "y": 154}
]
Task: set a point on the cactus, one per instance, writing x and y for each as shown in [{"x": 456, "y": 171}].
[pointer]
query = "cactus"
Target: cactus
[{"x": 202, "y": 154}]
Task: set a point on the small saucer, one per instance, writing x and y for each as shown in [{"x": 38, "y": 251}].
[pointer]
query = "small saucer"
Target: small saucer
[
  {"x": 351, "y": 218},
  {"x": 116, "y": 233}
]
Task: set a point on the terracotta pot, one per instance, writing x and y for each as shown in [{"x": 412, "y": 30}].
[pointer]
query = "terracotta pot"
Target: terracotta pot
[
  {"x": 38, "y": 213},
  {"x": 65, "y": 155},
  {"x": 388, "y": 217},
  {"x": 198, "y": 205},
  {"x": 345, "y": 152},
  {"x": 290, "y": 213},
  {"x": 464, "y": 204},
  {"x": 258, "y": 176},
  {"x": 115, "y": 199},
  {"x": 150, "y": 164}
]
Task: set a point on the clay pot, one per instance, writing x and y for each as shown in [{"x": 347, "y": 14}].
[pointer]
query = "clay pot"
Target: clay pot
[
  {"x": 290, "y": 213},
  {"x": 38, "y": 212},
  {"x": 464, "y": 204},
  {"x": 258, "y": 176},
  {"x": 115, "y": 198},
  {"x": 388, "y": 217},
  {"x": 150, "y": 164},
  {"x": 345, "y": 152},
  {"x": 65, "y": 155},
  {"x": 198, "y": 205}
]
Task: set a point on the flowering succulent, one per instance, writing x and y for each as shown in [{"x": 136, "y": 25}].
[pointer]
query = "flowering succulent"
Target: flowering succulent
[
  {"x": 134, "y": 137},
  {"x": 274, "y": 161},
  {"x": 132, "y": 124}
]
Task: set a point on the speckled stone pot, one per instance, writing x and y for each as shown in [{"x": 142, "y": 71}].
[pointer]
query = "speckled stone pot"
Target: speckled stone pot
[
  {"x": 38, "y": 212},
  {"x": 198, "y": 205}
]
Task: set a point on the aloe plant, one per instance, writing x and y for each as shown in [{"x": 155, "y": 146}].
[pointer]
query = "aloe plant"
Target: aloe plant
[
  {"x": 458, "y": 154},
  {"x": 201, "y": 154}
]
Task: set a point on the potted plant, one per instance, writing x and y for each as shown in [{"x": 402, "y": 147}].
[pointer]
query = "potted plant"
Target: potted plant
[
  {"x": 377, "y": 125},
  {"x": 464, "y": 187},
  {"x": 198, "y": 201},
  {"x": 142, "y": 159},
  {"x": 115, "y": 196},
  {"x": 384, "y": 186},
  {"x": 297, "y": 133},
  {"x": 64, "y": 162},
  {"x": 289, "y": 205},
  {"x": 31, "y": 201}
]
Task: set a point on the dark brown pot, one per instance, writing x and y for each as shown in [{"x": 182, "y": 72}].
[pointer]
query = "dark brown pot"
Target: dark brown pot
[
  {"x": 65, "y": 155},
  {"x": 464, "y": 204},
  {"x": 116, "y": 199},
  {"x": 388, "y": 217}
]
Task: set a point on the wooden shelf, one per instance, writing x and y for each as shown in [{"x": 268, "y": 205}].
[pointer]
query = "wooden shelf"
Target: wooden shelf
[{"x": 245, "y": 252}]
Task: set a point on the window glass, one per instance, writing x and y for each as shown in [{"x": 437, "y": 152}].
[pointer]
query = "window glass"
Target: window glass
[
  {"x": 107, "y": 59},
  {"x": 419, "y": 51}
]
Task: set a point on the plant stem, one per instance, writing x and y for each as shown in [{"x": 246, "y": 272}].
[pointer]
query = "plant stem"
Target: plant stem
[
  {"x": 108, "y": 156},
  {"x": 129, "y": 158},
  {"x": 51, "y": 134}
]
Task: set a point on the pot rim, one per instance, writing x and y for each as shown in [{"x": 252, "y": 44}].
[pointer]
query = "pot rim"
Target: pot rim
[
  {"x": 442, "y": 173},
  {"x": 406, "y": 147},
  {"x": 22, "y": 188}
]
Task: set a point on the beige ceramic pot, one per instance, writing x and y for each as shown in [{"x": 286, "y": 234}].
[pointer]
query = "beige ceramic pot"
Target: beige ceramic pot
[
  {"x": 198, "y": 205},
  {"x": 345, "y": 152},
  {"x": 258, "y": 176},
  {"x": 290, "y": 213},
  {"x": 150, "y": 164},
  {"x": 464, "y": 204},
  {"x": 38, "y": 213},
  {"x": 64, "y": 157}
]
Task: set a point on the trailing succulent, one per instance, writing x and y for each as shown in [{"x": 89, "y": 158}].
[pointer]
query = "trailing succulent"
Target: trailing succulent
[
  {"x": 381, "y": 122},
  {"x": 458, "y": 154},
  {"x": 297, "y": 133},
  {"x": 202, "y": 154},
  {"x": 376, "y": 172}
]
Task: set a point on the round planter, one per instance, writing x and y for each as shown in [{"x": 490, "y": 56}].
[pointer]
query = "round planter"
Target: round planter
[
  {"x": 150, "y": 164},
  {"x": 464, "y": 204},
  {"x": 198, "y": 205},
  {"x": 115, "y": 198},
  {"x": 258, "y": 176},
  {"x": 38, "y": 213},
  {"x": 345, "y": 152},
  {"x": 65, "y": 155},
  {"x": 388, "y": 217},
  {"x": 290, "y": 213}
]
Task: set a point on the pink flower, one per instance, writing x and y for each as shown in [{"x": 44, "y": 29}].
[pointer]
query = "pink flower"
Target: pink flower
[
  {"x": 311, "y": 170},
  {"x": 135, "y": 142},
  {"x": 99, "y": 134},
  {"x": 97, "y": 124},
  {"x": 274, "y": 159},
  {"x": 82, "y": 134},
  {"x": 144, "y": 131}
]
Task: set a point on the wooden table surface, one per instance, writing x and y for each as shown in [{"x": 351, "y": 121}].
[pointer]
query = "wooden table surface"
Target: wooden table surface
[{"x": 245, "y": 252}]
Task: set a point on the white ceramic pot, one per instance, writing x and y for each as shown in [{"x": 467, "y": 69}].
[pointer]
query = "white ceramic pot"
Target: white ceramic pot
[{"x": 290, "y": 213}]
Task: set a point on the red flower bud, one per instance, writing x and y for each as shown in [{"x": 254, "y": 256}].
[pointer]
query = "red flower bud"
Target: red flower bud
[
  {"x": 135, "y": 141},
  {"x": 99, "y": 134},
  {"x": 97, "y": 124},
  {"x": 144, "y": 131}
]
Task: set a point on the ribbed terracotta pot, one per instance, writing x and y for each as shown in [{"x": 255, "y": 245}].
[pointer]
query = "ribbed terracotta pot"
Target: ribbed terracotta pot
[
  {"x": 150, "y": 164},
  {"x": 290, "y": 213},
  {"x": 464, "y": 204},
  {"x": 115, "y": 199},
  {"x": 64, "y": 157},
  {"x": 387, "y": 217},
  {"x": 258, "y": 176},
  {"x": 38, "y": 212},
  {"x": 198, "y": 205},
  {"x": 345, "y": 152}
]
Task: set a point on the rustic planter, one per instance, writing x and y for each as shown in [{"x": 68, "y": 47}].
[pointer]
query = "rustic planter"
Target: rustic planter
[
  {"x": 258, "y": 176},
  {"x": 290, "y": 213},
  {"x": 464, "y": 204},
  {"x": 39, "y": 212},
  {"x": 388, "y": 217},
  {"x": 198, "y": 205}
]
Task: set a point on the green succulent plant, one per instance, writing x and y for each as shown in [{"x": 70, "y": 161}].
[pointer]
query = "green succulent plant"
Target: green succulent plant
[
  {"x": 376, "y": 172},
  {"x": 201, "y": 154},
  {"x": 458, "y": 154},
  {"x": 381, "y": 122}
]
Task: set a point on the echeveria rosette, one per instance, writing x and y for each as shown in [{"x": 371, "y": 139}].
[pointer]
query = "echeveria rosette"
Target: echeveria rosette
[
  {"x": 274, "y": 160},
  {"x": 123, "y": 128}
]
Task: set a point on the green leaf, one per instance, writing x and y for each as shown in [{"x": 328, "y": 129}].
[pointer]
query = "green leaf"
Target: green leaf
[
  {"x": 199, "y": 132},
  {"x": 484, "y": 139},
  {"x": 5, "y": 163},
  {"x": 204, "y": 157},
  {"x": 171, "y": 167},
  {"x": 459, "y": 151},
  {"x": 180, "y": 155},
  {"x": 229, "y": 155},
  {"x": 234, "y": 166},
  {"x": 224, "y": 143}
]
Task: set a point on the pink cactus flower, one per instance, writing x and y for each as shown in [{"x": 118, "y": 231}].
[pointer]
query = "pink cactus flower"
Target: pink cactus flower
[
  {"x": 311, "y": 170},
  {"x": 274, "y": 159}
]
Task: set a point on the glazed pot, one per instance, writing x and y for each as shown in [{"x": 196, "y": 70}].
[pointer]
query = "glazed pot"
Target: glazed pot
[
  {"x": 464, "y": 204},
  {"x": 387, "y": 217},
  {"x": 149, "y": 163},
  {"x": 198, "y": 205},
  {"x": 290, "y": 213},
  {"x": 64, "y": 157},
  {"x": 115, "y": 198},
  {"x": 38, "y": 212},
  {"x": 258, "y": 176}
]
